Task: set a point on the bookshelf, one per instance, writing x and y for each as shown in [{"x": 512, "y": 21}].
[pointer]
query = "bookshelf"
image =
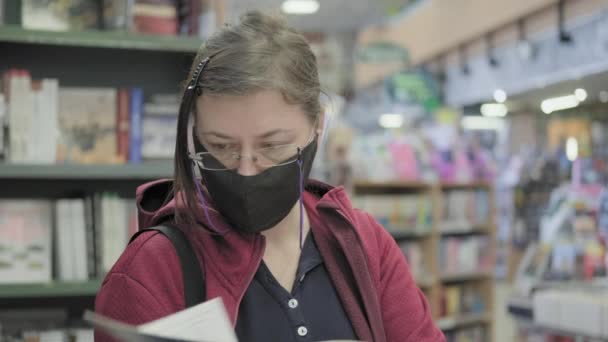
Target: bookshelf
[
  {"x": 83, "y": 59},
  {"x": 435, "y": 282}
]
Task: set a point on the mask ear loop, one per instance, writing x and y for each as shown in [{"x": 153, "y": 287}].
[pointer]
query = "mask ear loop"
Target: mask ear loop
[
  {"x": 301, "y": 181},
  {"x": 198, "y": 177}
]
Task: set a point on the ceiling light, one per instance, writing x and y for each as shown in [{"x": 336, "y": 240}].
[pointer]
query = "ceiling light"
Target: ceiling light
[
  {"x": 603, "y": 96},
  {"x": 500, "y": 95},
  {"x": 494, "y": 109},
  {"x": 300, "y": 6},
  {"x": 474, "y": 123},
  {"x": 391, "y": 120},
  {"x": 580, "y": 94},
  {"x": 551, "y": 105},
  {"x": 571, "y": 149}
]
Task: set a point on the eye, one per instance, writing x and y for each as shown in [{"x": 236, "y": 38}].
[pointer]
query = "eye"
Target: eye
[
  {"x": 221, "y": 147},
  {"x": 275, "y": 144}
]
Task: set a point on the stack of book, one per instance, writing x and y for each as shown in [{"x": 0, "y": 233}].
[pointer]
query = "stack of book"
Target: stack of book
[
  {"x": 84, "y": 236},
  {"x": 46, "y": 123}
]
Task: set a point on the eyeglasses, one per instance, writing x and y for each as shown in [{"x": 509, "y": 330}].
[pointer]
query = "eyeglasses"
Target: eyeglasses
[{"x": 222, "y": 159}]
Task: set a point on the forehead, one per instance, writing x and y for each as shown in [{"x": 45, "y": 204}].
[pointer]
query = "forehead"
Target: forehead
[{"x": 248, "y": 114}]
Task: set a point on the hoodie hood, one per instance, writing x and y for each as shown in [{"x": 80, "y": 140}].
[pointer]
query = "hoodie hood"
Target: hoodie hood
[{"x": 156, "y": 204}]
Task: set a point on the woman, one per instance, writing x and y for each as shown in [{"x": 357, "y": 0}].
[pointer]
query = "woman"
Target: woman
[{"x": 290, "y": 257}]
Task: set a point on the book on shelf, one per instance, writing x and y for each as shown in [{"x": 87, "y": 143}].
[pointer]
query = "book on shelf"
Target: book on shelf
[
  {"x": 42, "y": 325},
  {"x": 459, "y": 255},
  {"x": 155, "y": 17},
  {"x": 462, "y": 300},
  {"x": 76, "y": 15},
  {"x": 87, "y": 124},
  {"x": 465, "y": 209},
  {"x": 399, "y": 213},
  {"x": 3, "y": 120},
  {"x": 159, "y": 116},
  {"x": 25, "y": 241},
  {"x": 136, "y": 107},
  {"x": 416, "y": 261},
  {"x": 467, "y": 334}
]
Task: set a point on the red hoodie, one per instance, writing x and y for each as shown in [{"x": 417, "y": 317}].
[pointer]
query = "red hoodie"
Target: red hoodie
[{"x": 364, "y": 263}]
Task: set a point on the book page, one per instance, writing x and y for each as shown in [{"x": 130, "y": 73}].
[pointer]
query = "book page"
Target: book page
[{"x": 207, "y": 321}]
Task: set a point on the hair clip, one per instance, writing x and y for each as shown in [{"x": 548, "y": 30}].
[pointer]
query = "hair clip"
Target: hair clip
[{"x": 196, "y": 76}]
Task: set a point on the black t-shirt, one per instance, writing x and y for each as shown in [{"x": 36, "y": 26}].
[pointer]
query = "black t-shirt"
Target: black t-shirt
[{"x": 311, "y": 312}]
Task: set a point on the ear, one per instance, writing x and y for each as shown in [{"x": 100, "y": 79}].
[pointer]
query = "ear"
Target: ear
[{"x": 321, "y": 123}]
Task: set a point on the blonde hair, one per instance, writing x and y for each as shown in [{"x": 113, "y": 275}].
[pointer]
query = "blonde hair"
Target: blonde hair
[{"x": 259, "y": 53}]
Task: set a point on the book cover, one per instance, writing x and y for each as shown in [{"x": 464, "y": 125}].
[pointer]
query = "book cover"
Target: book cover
[
  {"x": 158, "y": 137},
  {"x": 87, "y": 125},
  {"x": 25, "y": 241},
  {"x": 136, "y": 107}
]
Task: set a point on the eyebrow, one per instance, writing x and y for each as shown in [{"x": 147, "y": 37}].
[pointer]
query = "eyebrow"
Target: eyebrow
[{"x": 262, "y": 136}]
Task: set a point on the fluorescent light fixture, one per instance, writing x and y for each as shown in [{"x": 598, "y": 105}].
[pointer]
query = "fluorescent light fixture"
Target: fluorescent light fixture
[
  {"x": 580, "y": 94},
  {"x": 494, "y": 109},
  {"x": 551, "y": 105},
  {"x": 475, "y": 123},
  {"x": 300, "y": 6},
  {"x": 571, "y": 149},
  {"x": 500, "y": 96},
  {"x": 603, "y": 96},
  {"x": 391, "y": 120}
]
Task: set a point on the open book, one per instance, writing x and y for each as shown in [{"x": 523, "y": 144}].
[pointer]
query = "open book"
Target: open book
[{"x": 205, "y": 322}]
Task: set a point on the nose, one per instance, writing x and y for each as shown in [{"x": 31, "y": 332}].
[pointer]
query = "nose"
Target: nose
[{"x": 247, "y": 166}]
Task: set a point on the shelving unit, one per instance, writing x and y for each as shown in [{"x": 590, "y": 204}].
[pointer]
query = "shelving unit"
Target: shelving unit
[
  {"x": 436, "y": 281},
  {"x": 102, "y": 59}
]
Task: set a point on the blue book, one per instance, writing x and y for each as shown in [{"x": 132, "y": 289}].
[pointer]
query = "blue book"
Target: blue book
[{"x": 135, "y": 136}]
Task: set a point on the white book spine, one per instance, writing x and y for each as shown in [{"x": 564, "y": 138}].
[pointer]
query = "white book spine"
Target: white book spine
[
  {"x": 48, "y": 122},
  {"x": 64, "y": 253},
  {"x": 79, "y": 241}
]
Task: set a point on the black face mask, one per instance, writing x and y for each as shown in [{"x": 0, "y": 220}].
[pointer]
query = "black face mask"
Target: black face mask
[{"x": 256, "y": 203}]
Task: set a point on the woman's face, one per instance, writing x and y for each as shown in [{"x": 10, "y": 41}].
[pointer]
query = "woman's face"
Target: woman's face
[{"x": 250, "y": 123}]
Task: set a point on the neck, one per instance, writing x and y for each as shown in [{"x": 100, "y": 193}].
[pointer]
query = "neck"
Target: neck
[{"x": 287, "y": 232}]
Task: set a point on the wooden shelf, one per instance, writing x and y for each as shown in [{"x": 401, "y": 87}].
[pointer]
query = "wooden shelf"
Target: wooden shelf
[
  {"x": 411, "y": 235},
  {"x": 78, "y": 171},
  {"x": 362, "y": 185},
  {"x": 465, "y": 276},
  {"x": 462, "y": 320},
  {"x": 464, "y": 185},
  {"x": 476, "y": 229},
  {"x": 54, "y": 289},
  {"x": 101, "y": 39}
]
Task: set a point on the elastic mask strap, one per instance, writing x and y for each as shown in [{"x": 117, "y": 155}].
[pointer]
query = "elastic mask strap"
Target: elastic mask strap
[
  {"x": 301, "y": 181},
  {"x": 198, "y": 177}
]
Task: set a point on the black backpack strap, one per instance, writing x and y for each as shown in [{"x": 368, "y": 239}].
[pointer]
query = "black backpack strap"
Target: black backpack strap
[{"x": 192, "y": 273}]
